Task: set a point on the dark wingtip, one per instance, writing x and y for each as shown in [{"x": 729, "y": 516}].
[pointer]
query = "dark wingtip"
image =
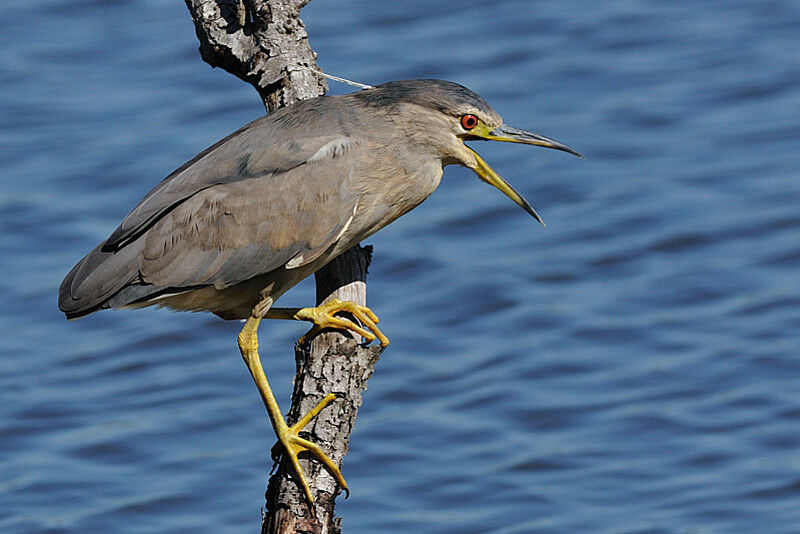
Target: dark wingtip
[{"x": 72, "y": 315}]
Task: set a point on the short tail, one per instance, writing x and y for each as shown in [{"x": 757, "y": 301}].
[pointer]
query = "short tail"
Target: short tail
[{"x": 99, "y": 281}]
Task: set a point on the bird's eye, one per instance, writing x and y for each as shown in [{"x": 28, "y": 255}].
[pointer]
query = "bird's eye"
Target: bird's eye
[{"x": 469, "y": 122}]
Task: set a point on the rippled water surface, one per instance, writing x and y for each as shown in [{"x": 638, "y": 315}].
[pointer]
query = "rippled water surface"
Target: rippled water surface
[{"x": 633, "y": 367}]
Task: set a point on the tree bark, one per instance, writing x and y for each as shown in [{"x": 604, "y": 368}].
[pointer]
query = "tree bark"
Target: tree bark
[
  {"x": 333, "y": 364},
  {"x": 264, "y": 43}
]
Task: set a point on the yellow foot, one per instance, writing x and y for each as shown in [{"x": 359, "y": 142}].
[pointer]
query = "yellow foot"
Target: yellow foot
[
  {"x": 324, "y": 316},
  {"x": 290, "y": 442}
]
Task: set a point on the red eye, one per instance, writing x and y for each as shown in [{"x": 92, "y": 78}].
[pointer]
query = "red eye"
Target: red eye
[{"x": 469, "y": 122}]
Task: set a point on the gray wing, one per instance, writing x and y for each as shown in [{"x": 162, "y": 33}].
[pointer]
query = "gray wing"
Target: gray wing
[
  {"x": 270, "y": 145},
  {"x": 259, "y": 199},
  {"x": 231, "y": 232}
]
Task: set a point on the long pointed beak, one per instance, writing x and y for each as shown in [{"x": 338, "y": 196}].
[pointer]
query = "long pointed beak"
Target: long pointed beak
[
  {"x": 515, "y": 135},
  {"x": 488, "y": 175}
]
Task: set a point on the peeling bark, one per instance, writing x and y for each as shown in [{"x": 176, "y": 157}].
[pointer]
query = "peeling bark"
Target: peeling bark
[
  {"x": 336, "y": 364},
  {"x": 264, "y": 43}
]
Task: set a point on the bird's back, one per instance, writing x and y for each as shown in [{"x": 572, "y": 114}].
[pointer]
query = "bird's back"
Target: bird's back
[
  {"x": 245, "y": 206},
  {"x": 277, "y": 196}
]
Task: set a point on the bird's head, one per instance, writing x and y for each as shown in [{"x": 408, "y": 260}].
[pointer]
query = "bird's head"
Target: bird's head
[{"x": 442, "y": 115}]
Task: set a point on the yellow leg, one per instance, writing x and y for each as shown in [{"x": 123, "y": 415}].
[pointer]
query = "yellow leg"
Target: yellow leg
[
  {"x": 324, "y": 316},
  {"x": 288, "y": 437}
]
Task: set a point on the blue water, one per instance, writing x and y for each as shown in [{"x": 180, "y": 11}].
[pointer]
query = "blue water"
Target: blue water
[{"x": 633, "y": 367}]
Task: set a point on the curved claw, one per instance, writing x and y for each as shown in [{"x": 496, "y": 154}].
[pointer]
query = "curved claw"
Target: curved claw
[
  {"x": 288, "y": 436},
  {"x": 324, "y": 316},
  {"x": 290, "y": 441},
  {"x": 306, "y": 338}
]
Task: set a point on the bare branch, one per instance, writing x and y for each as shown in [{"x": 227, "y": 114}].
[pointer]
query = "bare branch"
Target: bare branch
[
  {"x": 270, "y": 50},
  {"x": 265, "y": 44}
]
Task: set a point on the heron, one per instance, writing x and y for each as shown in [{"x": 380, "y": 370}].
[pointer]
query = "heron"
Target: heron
[{"x": 245, "y": 220}]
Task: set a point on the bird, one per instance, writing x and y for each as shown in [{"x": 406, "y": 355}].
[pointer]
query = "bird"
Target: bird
[{"x": 248, "y": 218}]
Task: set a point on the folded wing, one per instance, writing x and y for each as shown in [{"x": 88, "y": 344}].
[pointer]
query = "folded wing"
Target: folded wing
[{"x": 240, "y": 209}]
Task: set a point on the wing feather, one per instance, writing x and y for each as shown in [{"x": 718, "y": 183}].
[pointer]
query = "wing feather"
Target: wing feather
[
  {"x": 263, "y": 197},
  {"x": 273, "y": 144},
  {"x": 231, "y": 232}
]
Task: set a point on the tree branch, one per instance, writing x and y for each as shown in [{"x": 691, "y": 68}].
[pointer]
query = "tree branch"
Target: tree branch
[
  {"x": 265, "y": 44},
  {"x": 270, "y": 52},
  {"x": 334, "y": 364}
]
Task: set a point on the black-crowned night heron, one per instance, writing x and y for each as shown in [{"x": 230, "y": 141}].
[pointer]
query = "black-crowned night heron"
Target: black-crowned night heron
[{"x": 242, "y": 222}]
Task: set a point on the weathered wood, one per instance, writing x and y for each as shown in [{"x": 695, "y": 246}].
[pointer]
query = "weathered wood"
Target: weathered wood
[
  {"x": 270, "y": 51},
  {"x": 265, "y": 44},
  {"x": 334, "y": 364}
]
